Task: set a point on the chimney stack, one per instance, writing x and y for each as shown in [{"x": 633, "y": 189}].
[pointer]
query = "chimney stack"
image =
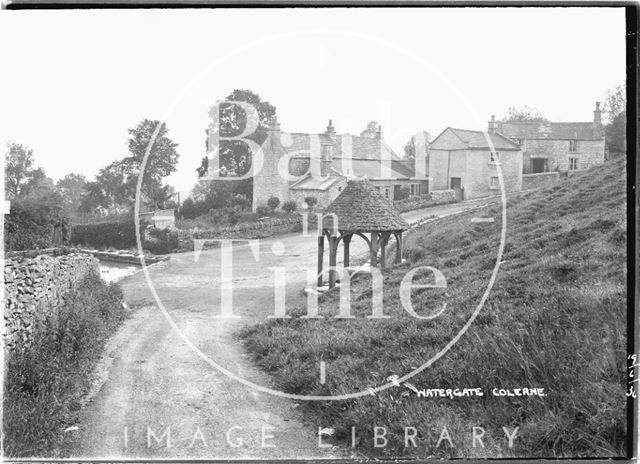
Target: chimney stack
[
  {"x": 597, "y": 114},
  {"x": 273, "y": 127},
  {"x": 379, "y": 132},
  {"x": 493, "y": 125},
  {"x": 331, "y": 131}
]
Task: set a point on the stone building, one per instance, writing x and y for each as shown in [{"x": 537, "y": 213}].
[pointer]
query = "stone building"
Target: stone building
[
  {"x": 299, "y": 165},
  {"x": 556, "y": 146},
  {"x": 467, "y": 161}
]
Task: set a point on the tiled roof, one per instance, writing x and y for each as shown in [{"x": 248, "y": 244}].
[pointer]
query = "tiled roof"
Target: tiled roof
[
  {"x": 478, "y": 139},
  {"x": 360, "y": 207},
  {"x": 365, "y": 168},
  {"x": 313, "y": 183},
  {"x": 552, "y": 130},
  {"x": 357, "y": 146},
  {"x": 371, "y": 168}
]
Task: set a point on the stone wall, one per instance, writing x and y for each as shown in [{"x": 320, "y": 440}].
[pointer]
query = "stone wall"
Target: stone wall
[
  {"x": 540, "y": 180},
  {"x": 35, "y": 290},
  {"x": 436, "y": 197},
  {"x": 588, "y": 153}
]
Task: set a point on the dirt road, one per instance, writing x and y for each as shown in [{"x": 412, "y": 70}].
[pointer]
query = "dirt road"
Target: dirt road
[{"x": 156, "y": 398}]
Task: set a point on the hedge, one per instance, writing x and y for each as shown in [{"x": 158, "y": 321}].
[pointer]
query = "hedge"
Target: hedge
[
  {"x": 35, "y": 224},
  {"x": 106, "y": 234}
]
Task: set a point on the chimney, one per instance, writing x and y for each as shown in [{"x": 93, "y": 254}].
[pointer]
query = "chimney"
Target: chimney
[
  {"x": 493, "y": 125},
  {"x": 273, "y": 128},
  {"x": 597, "y": 114},
  {"x": 331, "y": 131},
  {"x": 421, "y": 144},
  {"x": 379, "y": 133}
]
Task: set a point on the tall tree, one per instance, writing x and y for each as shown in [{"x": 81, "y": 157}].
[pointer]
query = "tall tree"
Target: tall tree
[
  {"x": 115, "y": 186},
  {"x": 18, "y": 169},
  {"x": 235, "y": 156},
  {"x": 524, "y": 114},
  {"x": 615, "y": 118},
  {"x": 71, "y": 187}
]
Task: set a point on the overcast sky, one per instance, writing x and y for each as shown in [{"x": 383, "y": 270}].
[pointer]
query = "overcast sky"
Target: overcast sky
[{"x": 73, "y": 82}]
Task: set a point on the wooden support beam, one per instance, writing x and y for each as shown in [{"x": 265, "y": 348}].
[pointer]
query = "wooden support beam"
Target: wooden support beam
[
  {"x": 320, "y": 258},
  {"x": 333, "y": 251},
  {"x": 373, "y": 249},
  {"x": 398, "y": 247},
  {"x": 346, "y": 241}
]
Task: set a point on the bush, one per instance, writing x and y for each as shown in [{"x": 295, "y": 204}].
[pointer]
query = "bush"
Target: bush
[
  {"x": 233, "y": 215},
  {"x": 107, "y": 234},
  {"x": 273, "y": 203},
  {"x": 311, "y": 201},
  {"x": 262, "y": 210},
  {"x": 35, "y": 224},
  {"x": 44, "y": 383},
  {"x": 289, "y": 206},
  {"x": 160, "y": 241},
  {"x": 402, "y": 193}
]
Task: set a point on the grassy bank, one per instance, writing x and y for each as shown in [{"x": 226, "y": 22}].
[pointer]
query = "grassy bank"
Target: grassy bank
[
  {"x": 556, "y": 319},
  {"x": 44, "y": 383}
]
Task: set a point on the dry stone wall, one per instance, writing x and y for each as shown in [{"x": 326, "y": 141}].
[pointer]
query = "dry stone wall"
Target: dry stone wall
[{"x": 35, "y": 290}]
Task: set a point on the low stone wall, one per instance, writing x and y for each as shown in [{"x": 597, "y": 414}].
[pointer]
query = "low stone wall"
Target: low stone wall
[
  {"x": 35, "y": 289},
  {"x": 540, "y": 180},
  {"x": 436, "y": 197}
]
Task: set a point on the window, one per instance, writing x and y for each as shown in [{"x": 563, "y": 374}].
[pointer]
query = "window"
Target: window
[
  {"x": 387, "y": 192},
  {"x": 573, "y": 164},
  {"x": 415, "y": 189},
  {"x": 339, "y": 189},
  {"x": 494, "y": 184},
  {"x": 495, "y": 157},
  {"x": 573, "y": 145}
]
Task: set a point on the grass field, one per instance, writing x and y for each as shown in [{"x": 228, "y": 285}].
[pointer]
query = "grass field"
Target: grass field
[{"x": 556, "y": 319}]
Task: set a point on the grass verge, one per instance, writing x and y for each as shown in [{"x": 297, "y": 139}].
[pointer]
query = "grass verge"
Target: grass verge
[{"x": 556, "y": 319}]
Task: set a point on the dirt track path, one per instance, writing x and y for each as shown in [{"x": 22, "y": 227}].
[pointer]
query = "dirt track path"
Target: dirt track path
[{"x": 152, "y": 383}]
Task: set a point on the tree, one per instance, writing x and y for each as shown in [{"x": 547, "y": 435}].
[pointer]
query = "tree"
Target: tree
[
  {"x": 114, "y": 189},
  {"x": 371, "y": 130},
  {"x": 234, "y": 155},
  {"x": 71, "y": 187},
  {"x": 39, "y": 186},
  {"x": 524, "y": 114},
  {"x": 615, "y": 118},
  {"x": 17, "y": 169}
]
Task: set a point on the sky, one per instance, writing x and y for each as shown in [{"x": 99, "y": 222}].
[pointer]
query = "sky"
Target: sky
[{"x": 74, "y": 81}]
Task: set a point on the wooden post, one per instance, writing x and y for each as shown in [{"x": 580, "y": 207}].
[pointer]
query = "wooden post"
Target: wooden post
[
  {"x": 320, "y": 258},
  {"x": 346, "y": 240},
  {"x": 374, "y": 249},
  {"x": 398, "y": 247},
  {"x": 383, "y": 250},
  {"x": 333, "y": 251}
]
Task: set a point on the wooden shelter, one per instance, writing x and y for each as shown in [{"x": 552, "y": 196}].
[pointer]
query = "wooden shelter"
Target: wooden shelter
[{"x": 359, "y": 210}]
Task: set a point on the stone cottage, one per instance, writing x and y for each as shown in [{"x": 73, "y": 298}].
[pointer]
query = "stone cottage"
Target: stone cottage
[
  {"x": 298, "y": 165},
  {"x": 556, "y": 146},
  {"x": 467, "y": 161}
]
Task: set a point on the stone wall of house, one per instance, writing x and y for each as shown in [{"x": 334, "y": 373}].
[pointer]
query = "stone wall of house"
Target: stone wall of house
[
  {"x": 556, "y": 152},
  {"x": 540, "y": 180},
  {"x": 268, "y": 182},
  {"x": 35, "y": 290}
]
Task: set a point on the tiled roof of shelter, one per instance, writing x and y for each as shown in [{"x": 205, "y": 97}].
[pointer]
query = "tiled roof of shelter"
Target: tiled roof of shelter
[{"x": 360, "y": 207}]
